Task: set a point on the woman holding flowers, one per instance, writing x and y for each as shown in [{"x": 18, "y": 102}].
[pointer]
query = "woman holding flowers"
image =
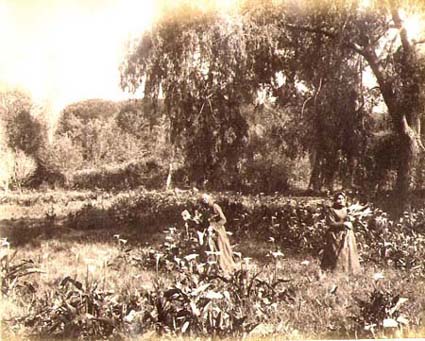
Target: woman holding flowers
[
  {"x": 220, "y": 241},
  {"x": 340, "y": 251}
]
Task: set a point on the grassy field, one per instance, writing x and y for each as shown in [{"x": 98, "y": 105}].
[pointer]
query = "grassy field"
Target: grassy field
[{"x": 115, "y": 283}]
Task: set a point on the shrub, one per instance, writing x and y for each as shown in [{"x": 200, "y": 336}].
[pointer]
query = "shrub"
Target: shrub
[
  {"x": 62, "y": 155},
  {"x": 90, "y": 217},
  {"x": 12, "y": 271},
  {"x": 295, "y": 224},
  {"x": 77, "y": 310},
  {"x": 129, "y": 175},
  {"x": 397, "y": 243},
  {"x": 265, "y": 174},
  {"x": 6, "y": 167},
  {"x": 380, "y": 313},
  {"x": 24, "y": 167}
]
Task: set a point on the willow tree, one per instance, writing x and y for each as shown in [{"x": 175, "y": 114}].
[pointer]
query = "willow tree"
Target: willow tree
[
  {"x": 375, "y": 31},
  {"x": 205, "y": 66},
  {"x": 328, "y": 112}
]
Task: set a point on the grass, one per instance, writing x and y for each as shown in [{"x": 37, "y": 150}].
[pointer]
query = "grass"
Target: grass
[
  {"x": 322, "y": 305},
  {"x": 316, "y": 312}
]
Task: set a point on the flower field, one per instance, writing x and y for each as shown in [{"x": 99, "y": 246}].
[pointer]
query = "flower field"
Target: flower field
[{"x": 130, "y": 265}]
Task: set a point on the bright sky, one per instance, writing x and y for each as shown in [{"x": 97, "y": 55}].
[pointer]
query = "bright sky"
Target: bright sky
[{"x": 64, "y": 51}]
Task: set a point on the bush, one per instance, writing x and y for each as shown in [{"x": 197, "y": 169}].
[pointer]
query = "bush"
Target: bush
[
  {"x": 62, "y": 156},
  {"x": 294, "y": 224},
  {"x": 380, "y": 313},
  {"x": 24, "y": 168},
  {"x": 25, "y": 133},
  {"x": 6, "y": 168},
  {"x": 265, "y": 175},
  {"x": 129, "y": 175}
]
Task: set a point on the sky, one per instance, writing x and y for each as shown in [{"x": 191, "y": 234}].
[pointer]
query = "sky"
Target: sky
[{"x": 63, "y": 51}]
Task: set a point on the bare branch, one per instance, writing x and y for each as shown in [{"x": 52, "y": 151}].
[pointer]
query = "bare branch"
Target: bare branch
[
  {"x": 418, "y": 135},
  {"x": 325, "y": 33},
  {"x": 420, "y": 144},
  {"x": 385, "y": 50},
  {"x": 316, "y": 93},
  {"x": 318, "y": 90},
  {"x": 347, "y": 44},
  {"x": 399, "y": 25},
  {"x": 304, "y": 104},
  {"x": 418, "y": 42},
  {"x": 418, "y": 124}
]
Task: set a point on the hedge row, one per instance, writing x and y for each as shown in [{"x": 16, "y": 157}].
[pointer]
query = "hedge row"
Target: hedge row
[
  {"x": 147, "y": 174},
  {"x": 298, "y": 224}
]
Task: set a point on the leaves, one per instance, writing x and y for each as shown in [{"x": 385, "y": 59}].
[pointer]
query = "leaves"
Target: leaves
[
  {"x": 192, "y": 297},
  {"x": 381, "y": 311},
  {"x": 13, "y": 271}
]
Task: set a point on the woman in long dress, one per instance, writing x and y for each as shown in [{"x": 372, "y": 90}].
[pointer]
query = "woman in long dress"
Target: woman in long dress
[
  {"x": 220, "y": 242},
  {"x": 340, "y": 251}
]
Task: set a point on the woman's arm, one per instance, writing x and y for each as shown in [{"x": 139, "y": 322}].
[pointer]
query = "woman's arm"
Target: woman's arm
[
  {"x": 219, "y": 217},
  {"x": 332, "y": 222}
]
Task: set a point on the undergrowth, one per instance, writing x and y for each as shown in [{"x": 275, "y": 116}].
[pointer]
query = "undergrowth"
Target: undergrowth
[{"x": 174, "y": 287}]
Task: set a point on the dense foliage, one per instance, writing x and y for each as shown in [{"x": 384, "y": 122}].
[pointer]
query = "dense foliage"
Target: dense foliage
[
  {"x": 23, "y": 134},
  {"x": 145, "y": 173},
  {"x": 204, "y": 65},
  {"x": 307, "y": 58},
  {"x": 294, "y": 224}
]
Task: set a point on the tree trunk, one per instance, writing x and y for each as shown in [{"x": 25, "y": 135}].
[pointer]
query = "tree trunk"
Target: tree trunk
[
  {"x": 408, "y": 157},
  {"x": 316, "y": 177},
  {"x": 404, "y": 110},
  {"x": 169, "y": 181},
  {"x": 169, "y": 177},
  {"x": 349, "y": 175}
]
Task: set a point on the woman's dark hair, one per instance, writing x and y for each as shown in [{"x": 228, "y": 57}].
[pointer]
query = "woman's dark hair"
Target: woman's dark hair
[{"x": 337, "y": 194}]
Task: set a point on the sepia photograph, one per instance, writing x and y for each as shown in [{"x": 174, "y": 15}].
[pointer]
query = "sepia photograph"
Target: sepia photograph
[{"x": 212, "y": 170}]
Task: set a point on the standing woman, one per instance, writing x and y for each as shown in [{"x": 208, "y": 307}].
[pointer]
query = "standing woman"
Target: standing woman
[
  {"x": 340, "y": 251},
  {"x": 221, "y": 241}
]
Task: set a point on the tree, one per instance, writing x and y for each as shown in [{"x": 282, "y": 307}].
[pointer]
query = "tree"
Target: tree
[
  {"x": 24, "y": 167},
  {"x": 22, "y": 129},
  {"x": 26, "y": 133},
  {"x": 12, "y": 102},
  {"x": 90, "y": 109},
  {"x": 202, "y": 66},
  {"x": 62, "y": 155},
  {"x": 378, "y": 35},
  {"x": 208, "y": 65},
  {"x": 137, "y": 117},
  {"x": 323, "y": 95},
  {"x": 23, "y": 136},
  {"x": 15, "y": 115}
]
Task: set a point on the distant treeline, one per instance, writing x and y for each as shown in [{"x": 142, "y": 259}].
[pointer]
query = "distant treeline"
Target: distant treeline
[{"x": 100, "y": 144}]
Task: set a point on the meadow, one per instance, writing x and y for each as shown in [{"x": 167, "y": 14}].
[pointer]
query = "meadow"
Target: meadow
[
  {"x": 125, "y": 265},
  {"x": 274, "y": 106}
]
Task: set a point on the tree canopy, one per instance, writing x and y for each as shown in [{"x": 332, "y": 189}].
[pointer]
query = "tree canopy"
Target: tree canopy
[{"x": 207, "y": 65}]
